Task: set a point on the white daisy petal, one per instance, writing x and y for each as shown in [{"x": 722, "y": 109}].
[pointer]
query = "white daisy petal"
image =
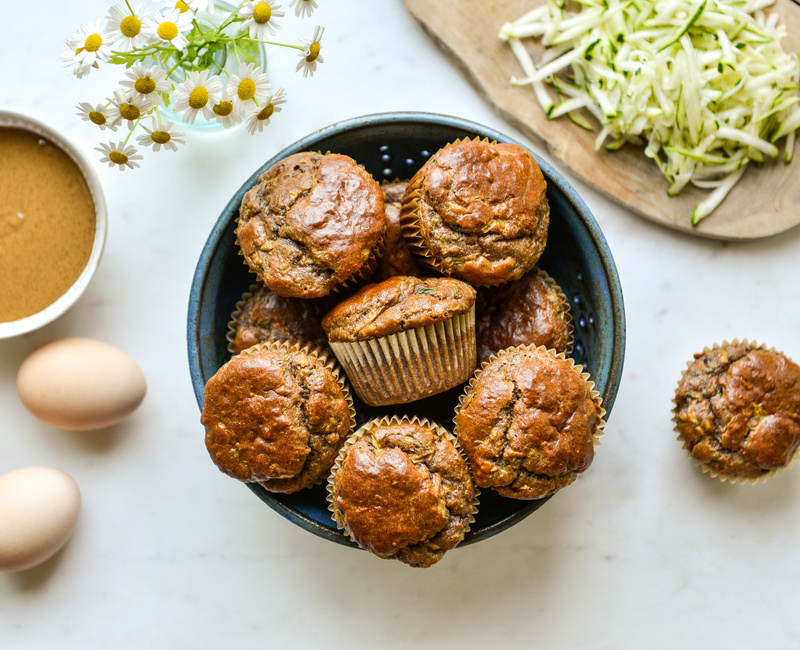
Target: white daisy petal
[
  {"x": 98, "y": 115},
  {"x": 259, "y": 18},
  {"x": 125, "y": 29},
  {"x": 303, "y": 8},
  {"x": 147, "y": 82},
  {"x": 119, "y": 154},
  {"x": 309, "y": 57},
  {"x": 170, "y": 27},
  {"x": 161, "y": 135},
  {"x": 199, "y": 93},
  {"x": 260, "y": 116}
]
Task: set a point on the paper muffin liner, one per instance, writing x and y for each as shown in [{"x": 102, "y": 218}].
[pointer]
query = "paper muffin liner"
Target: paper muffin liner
[
  {"x": 233, "y": 323},
  {"x": 412, "y": 364},
  {"x": 737, "y": 480},
  {"x": 323, "y": 356},
  {"x": 367, "y": 428},
  {"x": 565, "y": 303},
  {"x": 578, "y": 369},
  {"x": 409, "y": 218}
]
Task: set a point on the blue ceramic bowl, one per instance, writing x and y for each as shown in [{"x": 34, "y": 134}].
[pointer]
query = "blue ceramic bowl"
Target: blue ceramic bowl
[{"x": 390, "y": 146}]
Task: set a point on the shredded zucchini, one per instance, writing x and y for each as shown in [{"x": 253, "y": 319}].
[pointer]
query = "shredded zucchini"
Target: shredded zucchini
[{"x": 703, "y": 85}]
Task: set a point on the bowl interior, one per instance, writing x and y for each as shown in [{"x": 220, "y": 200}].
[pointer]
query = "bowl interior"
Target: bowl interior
[
  {"x": 394, "y": 146},
  {"x": 57, "y": 308}
]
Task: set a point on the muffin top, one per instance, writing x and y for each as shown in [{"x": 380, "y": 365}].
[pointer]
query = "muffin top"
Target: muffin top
[
  {"x": 403, "y": 491},
  {"x": 480, "y": 211},
  {"x": 737, "y": 409},
  {"x": 312, "y": 222},
  {"x": 277, "y": 416},
  {"x": 397, "y": 304},
  {"x": 266, "y": 316},
  {"x": 527, "y": 424},
  {"x": 396, "y": 258},
  {"x": 528, "y": 311}
]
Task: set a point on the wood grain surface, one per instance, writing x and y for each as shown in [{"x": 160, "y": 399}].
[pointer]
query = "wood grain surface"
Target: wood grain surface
[{"x": 766, "y": 201}]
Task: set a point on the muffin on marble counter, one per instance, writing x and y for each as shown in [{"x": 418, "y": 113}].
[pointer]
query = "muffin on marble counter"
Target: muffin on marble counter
[
  {"x": 401, "y": 490},
  {"x": 312, "y": 223},
  {"x": 737, "y": 411},
  {"x": 529, "y": 421},
  {"x": 277, "y": 415},
  {"x": 478, "y": 211},
  {"x": 404, "y": 338},
  {"x": 263, "y": 315},
  {"x": 530, "y": 311}
]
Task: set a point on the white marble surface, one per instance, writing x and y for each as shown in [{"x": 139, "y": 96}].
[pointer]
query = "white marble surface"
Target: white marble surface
[{"x": 643, "y": 551}]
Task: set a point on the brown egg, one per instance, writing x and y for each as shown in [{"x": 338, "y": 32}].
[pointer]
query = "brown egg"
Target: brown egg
[{"x": 80, "y": 384}]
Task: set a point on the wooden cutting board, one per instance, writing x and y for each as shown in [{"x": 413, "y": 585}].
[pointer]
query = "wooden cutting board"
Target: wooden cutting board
[{"x": 766, "y": 200}]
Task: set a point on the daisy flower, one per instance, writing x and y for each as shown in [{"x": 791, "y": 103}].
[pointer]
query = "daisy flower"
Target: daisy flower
[
  {"x": 228, "y": 112},
  {"x": 147, "y": 83},
  {"x": 170, "y": 27},
  {"x": 98, "y": 115},
  {"x": 259, "y": 118},
  {"x": 193, "y": 5},
  {"x": 303, "y": 7},
  {"x": 130, "y": 107},
  {"x": 198, "y": 93},
  {"x": 258, "y": 18},
  {"x": 119, "y": 154},
  {"x": 161, "y": 135},
  {"x": 124, "y": 27},
  {"x": 310, "y": 55},
  {"x": 252, "y": 83},
  {"x": 87, "y": 47}
]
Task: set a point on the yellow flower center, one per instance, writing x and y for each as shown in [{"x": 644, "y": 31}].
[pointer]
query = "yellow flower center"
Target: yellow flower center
[
  {"x": 223, "y": 108},
  {"x": 167, "y": 30},
  {"x": 246, "y": 89},
  {"x": 160, "y": 137},
  {"x": 130, "y": 26},
  {"x": 93, "y": 42},
  {"x": 266, "y": 112},
  {"x": 313, "y": 52},
  {"x": 262, "y": 13},
  {"x": 129, "y": 112},
  {"x": 96, "y": 117},
  {"x": 118, "y": 157},
  {"x": 182, "y": 6},
  {"x": 198, "y": 98},
  {"x": 144, "y": 85}
]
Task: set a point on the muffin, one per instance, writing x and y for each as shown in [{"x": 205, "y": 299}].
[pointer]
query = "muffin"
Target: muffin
[
  {"x": 478, "y": 211},
  {"x": 277, "y": 415},
  {"x": 401, "y": 490},
  {"x": 530, "y": 311},
  {"x": 312, "y": 223},
  {"x": 405, "y": 338},
  {"x": 528, "y": 422},
  {"x": 396, "y": 258},
  {"x": 737, "y": 411},
  {"x": 263, "y": 316}
]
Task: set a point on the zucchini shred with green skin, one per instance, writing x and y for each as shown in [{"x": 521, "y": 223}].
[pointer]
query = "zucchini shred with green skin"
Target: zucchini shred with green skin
[{"x": 703, "y": 85}]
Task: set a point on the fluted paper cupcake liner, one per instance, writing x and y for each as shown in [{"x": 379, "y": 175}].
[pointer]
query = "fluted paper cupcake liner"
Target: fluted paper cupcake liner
[
  {"x": 233, "y": 323},
  {"x": 736, "y": 480},
  {"x": 565, "y": 303},
  {"x": 412, "y": 364}
]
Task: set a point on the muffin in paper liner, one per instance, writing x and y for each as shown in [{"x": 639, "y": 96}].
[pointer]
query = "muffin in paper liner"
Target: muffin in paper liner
[
  {"x": 363, "y": 274},
  {"x": 411, "y": 364},
  {"x": 488, "y": 273},
  {"x": 484, "y": 327},
  {"x": 233, "y": 323},
  {"x": 558, "y": 469},
  {"x": 737, "y": 411},
  {"x": 392, "y": 519},
  {"x": 234, "y": 455}
]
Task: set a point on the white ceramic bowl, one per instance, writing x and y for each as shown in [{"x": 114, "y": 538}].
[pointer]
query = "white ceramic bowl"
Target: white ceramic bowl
[{"x": 57, "y": 308}]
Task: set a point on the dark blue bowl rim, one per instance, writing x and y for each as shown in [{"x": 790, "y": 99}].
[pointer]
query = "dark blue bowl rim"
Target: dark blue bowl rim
[{"x": 213, "y": 242}]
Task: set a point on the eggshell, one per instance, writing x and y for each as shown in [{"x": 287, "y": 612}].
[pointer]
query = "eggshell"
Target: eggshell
[
  {"x": 80, "y": 384},
  {"x": 39, "y": 508}
]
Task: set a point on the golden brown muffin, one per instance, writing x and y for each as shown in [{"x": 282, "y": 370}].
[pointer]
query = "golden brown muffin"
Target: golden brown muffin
[
  {"x": 276, "y": 415},
  {"x": 737, "y": 410},
  {"x": 396, "y": 258},
  {"x": 266, "y": 316},
  {"x": 405, "y": 338},
  {"x": 312, "y": 223},
  {"x": 401, "y": 490},
  {"x": 528, "y": 423},
  {"x": 478, "y": 211},
  {"x": 530, "y": 311}
]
